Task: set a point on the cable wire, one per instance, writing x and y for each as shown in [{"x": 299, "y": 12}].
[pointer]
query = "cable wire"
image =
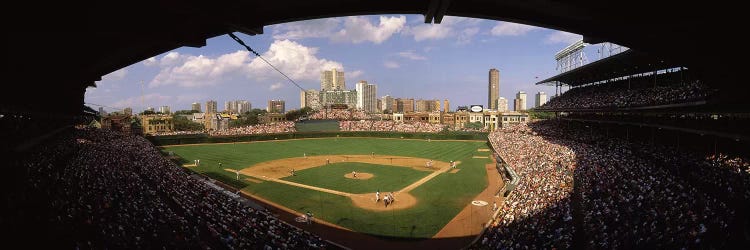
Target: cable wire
[{"x": 238, "y": 40}]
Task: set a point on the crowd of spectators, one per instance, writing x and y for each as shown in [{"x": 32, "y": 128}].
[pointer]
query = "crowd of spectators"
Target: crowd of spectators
[
  {"x": 177, "y": 133},
  {"x": 271, "y": 128},
  {"x": 626, "y": 195},
  {"x": 107, "y": 190},
  {"x": 338, "y": 114},
  {"x": 390, "y": 126},
  {"x": 538, "y": 213},
  {"x": 620, "y": 94}
]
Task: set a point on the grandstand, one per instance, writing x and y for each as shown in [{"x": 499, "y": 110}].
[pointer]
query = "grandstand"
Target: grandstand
[{"x": 648, "y": 148}]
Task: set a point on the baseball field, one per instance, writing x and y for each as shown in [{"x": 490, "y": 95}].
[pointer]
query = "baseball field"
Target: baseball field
[{"x": 428, "y": 192}]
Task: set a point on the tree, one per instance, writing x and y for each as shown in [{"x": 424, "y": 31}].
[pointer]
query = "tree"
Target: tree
[
  {"x": 248, "y": 118},
  {"x": 186, "y": 112},
  {"x": 148, "y": 112},
  {"x": 474, "y": 125},
  {"x": 181, "y": 123},
  {"x": 296, "y": 114}
]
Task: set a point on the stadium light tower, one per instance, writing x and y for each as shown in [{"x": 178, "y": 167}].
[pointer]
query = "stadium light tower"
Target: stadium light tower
[{"x": 571, "y": 57}]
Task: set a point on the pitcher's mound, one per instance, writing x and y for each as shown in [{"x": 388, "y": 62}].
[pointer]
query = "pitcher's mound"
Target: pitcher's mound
[{"x": 360, "y": 176}]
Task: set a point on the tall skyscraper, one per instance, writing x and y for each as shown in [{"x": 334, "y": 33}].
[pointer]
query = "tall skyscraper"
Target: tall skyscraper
[
  {"x": 541, "y": 99},
  {"x": 427, "y": 105},
  {"x": 164, "y": 110},
  {"x": 211, "y": 107},
  {"x": 196, "y": 106},
  {"x": 493, "y": 88},
  {"x": 367, "y": 96},
  {"x": 408, "y": 105},
  {"x": 446, "y": 106},
  {"x": 502, "y": 104},
  {"x": 332, "y": 80},
  {"x": 521, "y": 96},
  {"x": 517, "y": 104},
  {"x": 243, "y": 106},
  {"x": 276, "y": 106},
  {"x": 310, "y": 98},
  {"x": 229, "y": 106},
  {"x": 387, "y": 102}
]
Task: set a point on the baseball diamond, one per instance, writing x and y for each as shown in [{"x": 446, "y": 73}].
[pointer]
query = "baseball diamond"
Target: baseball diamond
[{"x": 422, "y": 195}]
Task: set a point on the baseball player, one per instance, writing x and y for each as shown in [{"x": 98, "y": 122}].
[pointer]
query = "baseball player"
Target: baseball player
[{"x": 377, "y": 196}]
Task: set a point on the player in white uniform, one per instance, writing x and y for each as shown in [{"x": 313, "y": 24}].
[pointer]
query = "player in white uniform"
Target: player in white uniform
[{"x": 377, "y": 196}]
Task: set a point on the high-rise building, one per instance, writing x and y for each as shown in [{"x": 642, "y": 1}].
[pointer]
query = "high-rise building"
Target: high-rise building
[
  {"x": 367, "y": 96},
  {"x": 211, "y": 107},
  {"x": 276, "y": 106},
  {"x": 541, "y": 99},
  {"x": 517, "y": 104},
  {"x": 332, "y": 80},
  {"x": 164, "y": 109},
  {"x": 446, "y": 106},
  {"x": 196, "y": 106},
  {"x": 147, "y": 109},
  {"x": 128, "y": 111},
  {"x": 339, "y": 97},
  {"x": 310, "y": 98},
  {"x": 406, "y": 105},
  {"x": 102, "y": 112},
  {"x": 387, "y": 102},
  {"x": 502, "y": 104},
  {"x": 427, "y": 105},
  {"x": 380, "y": 105},
  {"x": 243, "y": 106},
  {"x": 493, "y": 88},
  {"x": 521, "y": 96}
]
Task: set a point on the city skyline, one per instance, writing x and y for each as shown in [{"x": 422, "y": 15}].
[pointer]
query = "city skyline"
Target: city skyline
[{"x": 401, "y": 55}]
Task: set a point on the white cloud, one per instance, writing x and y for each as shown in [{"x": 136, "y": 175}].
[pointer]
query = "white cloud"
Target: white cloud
[
  {"x": 359, "y": 29},
  {"x": 275, "y": 86},
  {"x": 563, "y": 37},
  {"x": 460, "y": 27},
  {"x": 116, "y": 75},
  {"x": 511, "y": 29},
  {"x": 198, "y": 71},
  {"x": 151, "y": 61},
  {"x": 411, "y": 55},
  {"x": 316, "y": 28},
  {"x": 153, "y": 100},
  {"x": 355, "y": 74},
  {"x": 391, "y": 64},
  {"x": 295, "y": 60},
  {"x": 467, "y": 34}
]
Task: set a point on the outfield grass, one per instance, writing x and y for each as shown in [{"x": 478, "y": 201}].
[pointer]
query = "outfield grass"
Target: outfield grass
[
  {"x": 386, "y": 179},
  {"x": 439, "y": 200}
]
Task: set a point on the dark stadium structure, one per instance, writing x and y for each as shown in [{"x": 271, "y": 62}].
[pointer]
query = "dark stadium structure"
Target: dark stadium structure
[{"x": 57, "y": 50}]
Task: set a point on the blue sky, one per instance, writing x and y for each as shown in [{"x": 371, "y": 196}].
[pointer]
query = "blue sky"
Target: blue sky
[{"x": 402, "y": 55}]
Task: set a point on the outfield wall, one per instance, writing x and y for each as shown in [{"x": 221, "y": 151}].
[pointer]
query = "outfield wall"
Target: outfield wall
[{"x": 203, "y": 138}]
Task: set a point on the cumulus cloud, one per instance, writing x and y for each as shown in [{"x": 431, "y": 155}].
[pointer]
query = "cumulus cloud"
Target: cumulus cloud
[
  {"x": 197, "y": 71},
  {"x": 511, "y": 29},
  {"x": 116, "y": 75},
  {"x": 151, "y": 61},
  {"x": 153, "y": 99},
  {"x": 411, "y": 55},
  {"x": 460, "y": 27},
  {"x": 360, "y": 29},
  {"x": 391, "y": 64},
  {"x": 316, "y": 28},
  {"x": 563, "y": 37},
  {"x": 295, "y": 60},
  {"x": 467, "y": 34},
  {"x": 275, "y": 86}
]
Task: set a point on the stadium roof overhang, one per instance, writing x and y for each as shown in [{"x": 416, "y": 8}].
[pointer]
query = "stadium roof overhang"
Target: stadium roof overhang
[
  {"x": 627, "y": 63},
  {"x": 58, "y": 49}
]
